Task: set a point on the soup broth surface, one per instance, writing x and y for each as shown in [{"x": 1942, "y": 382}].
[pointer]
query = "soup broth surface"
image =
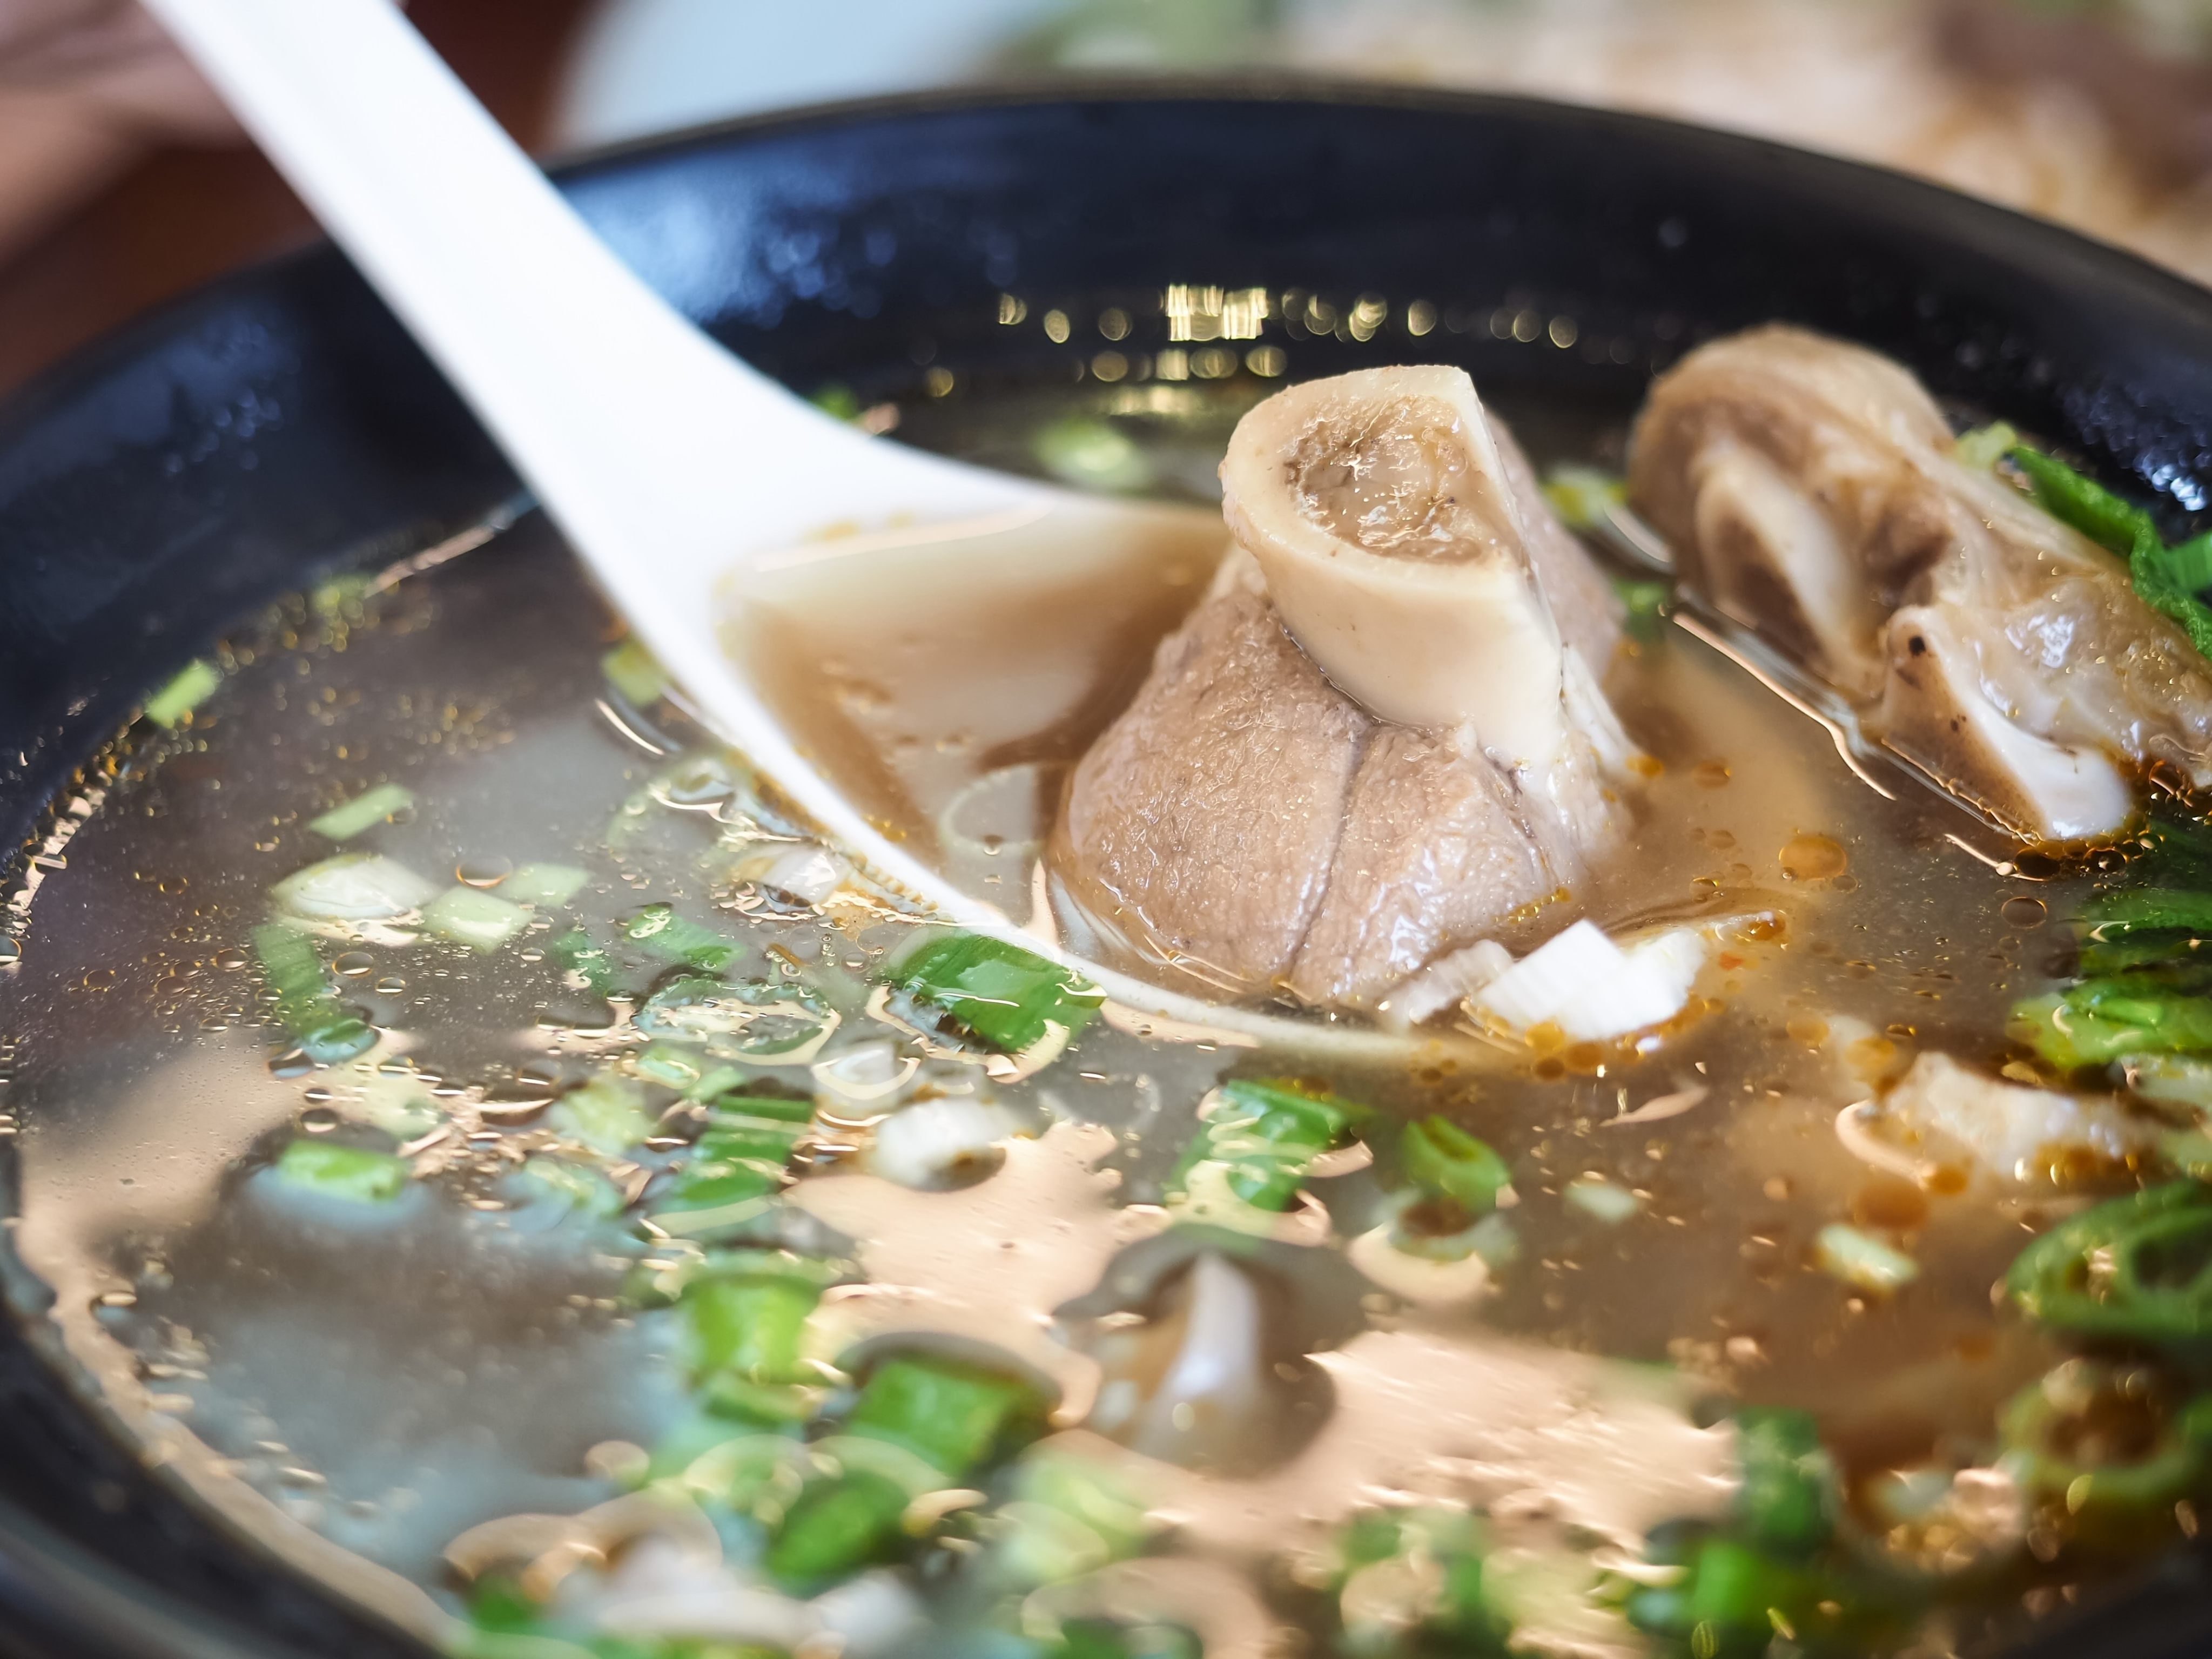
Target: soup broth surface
[{"x": 1236, "y": 1428}]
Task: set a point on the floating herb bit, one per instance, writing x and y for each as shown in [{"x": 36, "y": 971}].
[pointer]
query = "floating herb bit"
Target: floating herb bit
[
  {"x": 326, "y": 1030},
  {"x": 194, "y": 683},
  {"x": 1860, "y": 1259},
  {"x": 1010, "y": 998},
  {"x": 1788, "y": 1497},
  {"x": 606, "y": 1114},
  {"x": 734, "y": 1169},
  {"x": 635, "y": 672},
  {"x": 581, "y": 955},
  {"x": 581, "y": 1188},
  {"x": 2115, "y": 1449},
  {"x": 675, "y": 937},
  {"x": 468, "y": 915},
  {"x": 548, "y": 886},
  {"x": 1445, "y": 1161},
  {"x": 745, "y": 1316},
  {"x": 332, "y": 1170},
  {"x": 1256, "y": 1140},
  {"x": 364, "y": 812}
]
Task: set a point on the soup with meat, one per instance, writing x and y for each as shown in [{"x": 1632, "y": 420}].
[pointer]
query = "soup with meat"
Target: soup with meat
[{"x": 1692, "y": 1145}]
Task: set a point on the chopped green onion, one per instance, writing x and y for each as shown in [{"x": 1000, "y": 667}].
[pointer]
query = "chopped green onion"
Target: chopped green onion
[
  {"x": 1643, "y": 606},
  {"x": 1600, "y": 1200},
  {"x": 1862, "y": 1259},
  {"x": 469, "y": 915},
  {"x": 949, "y": 1412},
  {"x": 1981, "y": 449},
  {"x": 675, "y": 937},
  {"x": 837, "y": 1526},
  {"x": 167, "y": 708},
  {"x": 745, "y": 1318},
  {"x": 2067, "y": 1439},
  {"x": 1445, "y": 1162},
  {"x": 353, "y": 1174},
  {"x": 837, "y": 400},
  {"x": 733, "y": 1171},
  {"x": 1447, "y": 1546},
  {"x": 606, "y": 1114},
  {"x": 1090, "y": 454},
  {"x": 2097, "y": 1021},
  {"x": 1787, "y": 1501},
  {"x": 2133, "y": 1269},
  {"x": 1584, "y": 496},
  {"x": 365, "y": 811},
  {"x": 768, "y": 1023},
  {"x": 1008, "y": 997},
  {"x": 1259, "y": 1138},
  {"x": 635, "y": 672},
  {"x": 548, "y": 886},
  {"x": 584, "y": 1190},
  {"x": 581, "y": 956},
  {"x": 352, "y": 887},
  {"x": 2141, "y": 910},
  {"x": 325, "y": 1030}
]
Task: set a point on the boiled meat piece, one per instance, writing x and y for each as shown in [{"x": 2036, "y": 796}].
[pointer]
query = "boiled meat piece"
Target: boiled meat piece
[
  {"x": 1809, "y": 490},
  {"x": 1380, "y": 736}
]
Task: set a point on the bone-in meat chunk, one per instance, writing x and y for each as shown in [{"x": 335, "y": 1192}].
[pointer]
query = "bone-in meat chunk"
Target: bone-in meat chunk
[
  {"x": 1810, "y": 491},
  {"x": 1251, "y": 818}
]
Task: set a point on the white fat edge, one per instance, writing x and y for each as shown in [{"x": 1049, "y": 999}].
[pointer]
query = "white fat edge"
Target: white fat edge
[{"x": 2073, "y": 793}]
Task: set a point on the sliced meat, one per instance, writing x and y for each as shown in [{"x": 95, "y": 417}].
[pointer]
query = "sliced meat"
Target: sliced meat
[
  {"x": 1251, "y": 819},
  {"x": 1809, "y": 490}
]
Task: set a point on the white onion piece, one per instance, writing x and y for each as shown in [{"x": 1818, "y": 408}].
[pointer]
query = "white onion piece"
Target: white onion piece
[
  {"x": 864, "y": 1081},
  {"x": 947, "y": 1141},
  {"x": 354, "y": 887},
  {"x": 809, "y": 874},
  {"x": 1443, "y": 983},
  {"x": 1591, "y": 988}
]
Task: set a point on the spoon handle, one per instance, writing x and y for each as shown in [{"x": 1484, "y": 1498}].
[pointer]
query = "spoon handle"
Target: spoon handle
[{"x": 650, "y": 444}]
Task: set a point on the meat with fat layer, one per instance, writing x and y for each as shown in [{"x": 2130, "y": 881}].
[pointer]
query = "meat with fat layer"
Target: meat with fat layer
[{"x": 1810, "y": 491}]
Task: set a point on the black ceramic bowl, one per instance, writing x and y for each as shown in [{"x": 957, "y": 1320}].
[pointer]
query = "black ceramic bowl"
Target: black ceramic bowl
[{"x": 217, "y": 454}]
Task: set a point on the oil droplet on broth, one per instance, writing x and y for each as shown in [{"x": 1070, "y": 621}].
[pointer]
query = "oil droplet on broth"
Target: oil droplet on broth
[
  {"x": 1813, "y": 858},
  {"x": 483, "y": 873},
  {"x": 11, "y": 952},
  {"x": 2024, "y": 911},
  {"x": 352, "y": 964},
  {"x": 230, "y": 957}
]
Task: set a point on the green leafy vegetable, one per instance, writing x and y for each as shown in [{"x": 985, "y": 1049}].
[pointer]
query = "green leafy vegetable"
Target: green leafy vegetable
[
  {"x": 167, "y": 708},
  {"x": 1583, "y": 496},
  {"x": 2167, "y": 578},
  {"x": 336, "y": 1170},
  {"x": 2133, "y": 1269},
  {"x": 1010, "y": 998},
  {"x": 326, "y": 1030},
  {"x": 364, "y": 812},
  {"x": 2095, "y": 1021},
  {"x": 1643, "y": 605}
]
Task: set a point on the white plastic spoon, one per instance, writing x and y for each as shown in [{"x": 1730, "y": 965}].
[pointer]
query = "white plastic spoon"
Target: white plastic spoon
[{"x": 672, "y": 467}]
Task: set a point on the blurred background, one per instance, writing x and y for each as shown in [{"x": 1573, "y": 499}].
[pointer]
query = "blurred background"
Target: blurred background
[{"x": 121, "y": 180}]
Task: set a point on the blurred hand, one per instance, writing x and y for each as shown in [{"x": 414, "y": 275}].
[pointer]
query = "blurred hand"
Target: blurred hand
[{"x": 86, "y": 88}]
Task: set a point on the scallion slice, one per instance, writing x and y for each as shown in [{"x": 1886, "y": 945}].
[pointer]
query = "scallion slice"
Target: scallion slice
[{"x": 364, "y": 812}]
